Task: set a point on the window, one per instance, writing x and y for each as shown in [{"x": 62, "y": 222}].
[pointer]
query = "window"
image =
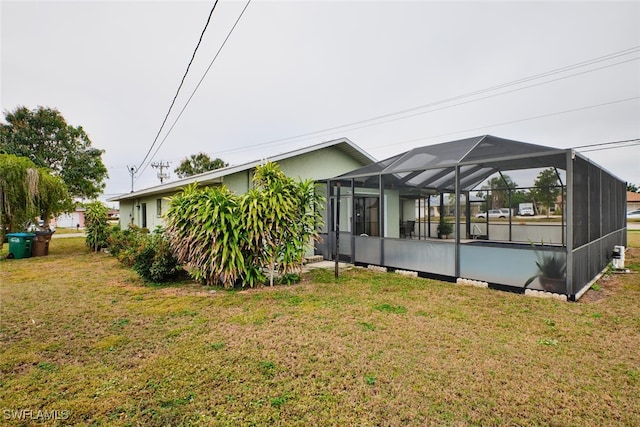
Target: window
[{"x": 158, "y": 208}]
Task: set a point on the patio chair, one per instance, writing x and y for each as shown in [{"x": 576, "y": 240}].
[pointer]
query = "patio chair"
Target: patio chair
[{"x": 408, "y": 229}]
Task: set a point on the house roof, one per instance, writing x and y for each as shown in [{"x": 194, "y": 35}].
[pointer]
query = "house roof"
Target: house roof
[
  {"x": 633, "y": 197},
  {"x": 434, "y": 166},
  {"x": 216, "y": 176}
]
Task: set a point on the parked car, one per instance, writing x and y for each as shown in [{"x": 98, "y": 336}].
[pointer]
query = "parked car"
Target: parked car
[
  {"x": 494, "y": 213},
  {"x": 526, "y": 212},
  {"x": 633, "y": 214}
]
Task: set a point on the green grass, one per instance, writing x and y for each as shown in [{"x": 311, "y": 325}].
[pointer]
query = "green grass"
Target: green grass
[{"x": 80, "y": 334}]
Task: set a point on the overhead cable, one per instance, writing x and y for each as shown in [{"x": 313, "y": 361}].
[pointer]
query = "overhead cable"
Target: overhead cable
[
  {"x": 180, "y": 86},
  {"x": 197, "y": 86},
  {"x": 348, "y": 126},
  {"x": 573, "y": 110}
]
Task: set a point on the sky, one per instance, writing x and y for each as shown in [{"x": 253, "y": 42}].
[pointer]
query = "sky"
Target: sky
[{"x": 388, "y": 75}]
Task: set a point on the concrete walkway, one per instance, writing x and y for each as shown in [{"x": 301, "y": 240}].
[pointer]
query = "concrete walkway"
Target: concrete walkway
[
  {"x": 66, "y": 236},
  {"x": 325, "y": 264}
]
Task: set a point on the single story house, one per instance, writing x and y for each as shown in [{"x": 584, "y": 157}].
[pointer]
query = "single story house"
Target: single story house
[
  {"x": 146, "y": 207},
  {"x": 633, "y": 201},
  {"x": 372, "y": 217},
  {"x": 70, "y": 219}
]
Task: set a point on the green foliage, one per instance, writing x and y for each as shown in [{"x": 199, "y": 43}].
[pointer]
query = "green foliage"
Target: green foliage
[
  {"x": 549, "y": 267},
  {"x": 149, "y": 254},
  {"x": 198, "y": 163},
  {"x": 223, "y": 239},
  {"x": 123, "y": 244},
  {"x": 154, "y": 260},
  {"x": 96, "y": 225},
  {"x": 204, "y": 229},
  {"x": 497, "y": 191},
  {"x": 547, "y": 188},
  {"x": 518, "y": 197},
  {"x": 444, "y": 227},
  {"x": 18, "y": 189},
  {"x": 26, "y": 192},
  {"x": 53, "y": 197},
  {"x": 44, "y": 136}
]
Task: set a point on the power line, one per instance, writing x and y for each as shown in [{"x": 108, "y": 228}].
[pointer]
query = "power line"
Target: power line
[
  {"x": 606, "y": 143},
  {"x": 573, "y": 110},
  {"x": 610, "y": 56},
  {"x": 612, "y": 148},
  {"x": 180, "y": 86},
  {"x": 198, "y": 85}
]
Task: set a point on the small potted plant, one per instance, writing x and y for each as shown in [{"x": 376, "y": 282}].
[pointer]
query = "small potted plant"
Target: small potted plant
[
  {"x": 551, "y": 273},
  {"x": 444, "y": 228}
]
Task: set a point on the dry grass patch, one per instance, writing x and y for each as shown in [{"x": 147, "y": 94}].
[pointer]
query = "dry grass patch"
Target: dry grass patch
[{"x": 81, "y": 334}]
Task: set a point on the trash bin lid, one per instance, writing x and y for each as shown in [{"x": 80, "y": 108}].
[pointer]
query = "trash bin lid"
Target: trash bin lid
[{"x": 21, "y": 235}]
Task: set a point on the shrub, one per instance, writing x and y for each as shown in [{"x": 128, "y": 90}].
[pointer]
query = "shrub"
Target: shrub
[
  {"x": 96, "y": 225},
  {"x": 154, "y": 260},
  {"x": 149, "y": 254},
  {"x": 227, "y": 239},
  {"x": 123, "y": 244}
]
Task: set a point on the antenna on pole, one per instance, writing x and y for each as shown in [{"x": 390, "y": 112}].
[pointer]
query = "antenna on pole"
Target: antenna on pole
[
  {"x": 132, "y": 171},
  {"x": 162, "y": 166}
]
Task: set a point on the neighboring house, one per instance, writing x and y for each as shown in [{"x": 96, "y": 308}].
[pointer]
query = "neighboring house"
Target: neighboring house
[
  {"x": 145, "y": 208},
  {"x": 431, "y": 206},
  {"x": 70, "y": 219},
  {"x": 633, "y": 201}
]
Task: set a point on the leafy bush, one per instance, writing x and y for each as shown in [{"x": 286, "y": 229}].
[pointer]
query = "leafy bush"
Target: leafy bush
[
  {"x": 154, "y": 260},
  {"x": 149, "y": 254},
  {"x": 96, "y": 225},
  {"x": 124, "y": 244}
]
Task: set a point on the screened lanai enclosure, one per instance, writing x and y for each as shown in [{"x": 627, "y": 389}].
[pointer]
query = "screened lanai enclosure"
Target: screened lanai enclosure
[{"x": 451, "y": 211}]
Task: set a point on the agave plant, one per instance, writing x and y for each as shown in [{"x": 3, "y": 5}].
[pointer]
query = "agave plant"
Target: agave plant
[{"x": 551, "y": 272}]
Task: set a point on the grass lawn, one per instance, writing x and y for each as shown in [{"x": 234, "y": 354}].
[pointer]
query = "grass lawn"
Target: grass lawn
[{"x": 86, "y": 342}]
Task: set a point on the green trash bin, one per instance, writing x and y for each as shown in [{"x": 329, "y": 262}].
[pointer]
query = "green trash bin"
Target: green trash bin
[{"x": 20, "y": 245}]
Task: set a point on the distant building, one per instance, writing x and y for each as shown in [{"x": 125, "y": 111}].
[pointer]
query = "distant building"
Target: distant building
[
  {"x": 633, "y": 201},
  {"x": 70, "y": 219}
]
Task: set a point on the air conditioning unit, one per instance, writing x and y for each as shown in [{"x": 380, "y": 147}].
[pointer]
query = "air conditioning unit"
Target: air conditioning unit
[{"x": 618, "y": 257}]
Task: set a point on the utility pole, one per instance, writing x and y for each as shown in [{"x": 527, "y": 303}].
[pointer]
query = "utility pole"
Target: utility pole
[
  {"x": 162, "y": 166},
  {"x": 132, "y": 171}
]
